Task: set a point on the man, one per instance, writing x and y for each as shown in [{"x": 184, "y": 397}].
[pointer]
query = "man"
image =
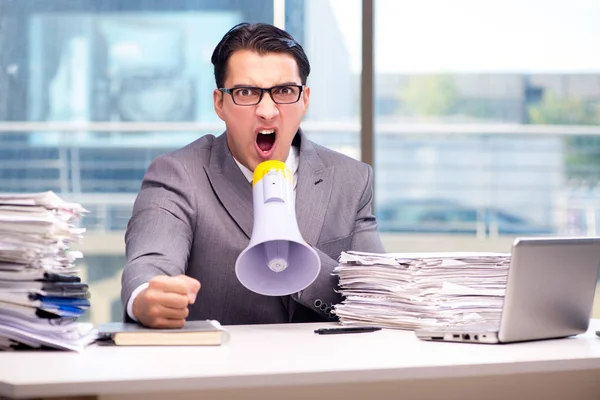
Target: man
[{"x": 194, "y": 214}]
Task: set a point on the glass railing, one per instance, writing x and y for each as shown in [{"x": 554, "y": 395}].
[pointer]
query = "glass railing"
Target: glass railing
[{"x": 482, "y": 180}]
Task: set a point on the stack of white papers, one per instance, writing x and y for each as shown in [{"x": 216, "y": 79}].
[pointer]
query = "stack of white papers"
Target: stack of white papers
[
  {"x": 41, "y": 294},
  {"x": 421, "y": 290}
]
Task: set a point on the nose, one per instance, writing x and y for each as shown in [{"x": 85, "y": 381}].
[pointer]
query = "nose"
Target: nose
[{"x": 267, "y": 109}]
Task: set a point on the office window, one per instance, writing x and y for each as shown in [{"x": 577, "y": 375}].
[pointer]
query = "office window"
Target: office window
[
  {"x": 92, "y": 90},
  {"x": 330, "y": 35},
  {"x": 487, "y": 117}
]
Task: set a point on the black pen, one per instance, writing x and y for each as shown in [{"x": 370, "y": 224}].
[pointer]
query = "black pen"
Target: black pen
[{"x": 335, "y": 331}]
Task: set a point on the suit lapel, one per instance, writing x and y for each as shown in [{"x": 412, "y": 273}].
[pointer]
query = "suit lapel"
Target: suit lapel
[
  {"x": 230, "y": 185},
  {"x": 313, "y": 191},
  {"x": 312, "y": 196}
]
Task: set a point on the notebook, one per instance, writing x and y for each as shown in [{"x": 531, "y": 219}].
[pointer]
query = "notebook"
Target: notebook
[
  {"x": 194, "y": 333},
  {"x": 549, "y": 294}
]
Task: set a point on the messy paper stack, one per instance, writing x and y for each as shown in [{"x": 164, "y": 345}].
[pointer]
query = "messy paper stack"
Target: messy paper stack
[
  {"x": 421, "y": 290},
  {"x": 41, "y": 293}
]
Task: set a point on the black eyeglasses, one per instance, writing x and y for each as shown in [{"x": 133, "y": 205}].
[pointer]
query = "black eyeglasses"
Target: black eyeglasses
[{"x": 251, "y": 95}]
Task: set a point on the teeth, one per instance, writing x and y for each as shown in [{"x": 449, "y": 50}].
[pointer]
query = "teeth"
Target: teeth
[{"x": 267, "y": 131}]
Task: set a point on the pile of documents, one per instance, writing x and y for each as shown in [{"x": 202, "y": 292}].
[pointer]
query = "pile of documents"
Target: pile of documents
[
  {"x": 422, "y": 290},
  {"x": 41, "y": 295}
]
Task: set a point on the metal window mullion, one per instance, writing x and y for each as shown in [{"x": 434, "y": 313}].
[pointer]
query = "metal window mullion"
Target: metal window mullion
[{"x": 367, "y": 90}]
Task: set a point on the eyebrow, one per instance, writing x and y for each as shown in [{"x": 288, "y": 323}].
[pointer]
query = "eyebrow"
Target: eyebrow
[{"x": 279, "y": 84}]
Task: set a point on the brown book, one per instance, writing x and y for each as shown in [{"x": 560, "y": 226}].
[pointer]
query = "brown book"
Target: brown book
[{"x": 194, "y": 333}]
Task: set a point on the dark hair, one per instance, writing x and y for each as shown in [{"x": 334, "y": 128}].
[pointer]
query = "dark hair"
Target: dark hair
[{"x": 261, "y": 38}]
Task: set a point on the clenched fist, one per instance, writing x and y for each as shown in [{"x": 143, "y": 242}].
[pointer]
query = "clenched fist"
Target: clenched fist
[{"x": 164, "y": 303}]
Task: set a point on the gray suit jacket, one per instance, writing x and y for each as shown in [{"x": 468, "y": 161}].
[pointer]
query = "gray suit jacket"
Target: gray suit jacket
[{"x": 194, "y": 215}]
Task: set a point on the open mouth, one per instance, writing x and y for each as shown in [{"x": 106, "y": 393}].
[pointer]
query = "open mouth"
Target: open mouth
[{"x": 265, "y": 141}]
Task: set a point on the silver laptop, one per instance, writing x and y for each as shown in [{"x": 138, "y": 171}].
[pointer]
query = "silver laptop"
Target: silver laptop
[{"x": 549, "y": 293}]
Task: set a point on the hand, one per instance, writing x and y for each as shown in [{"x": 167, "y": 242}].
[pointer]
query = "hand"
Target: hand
[{"x": 164, "y": 303}]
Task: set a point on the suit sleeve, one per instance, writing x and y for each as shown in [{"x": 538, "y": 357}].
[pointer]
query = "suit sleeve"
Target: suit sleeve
[
  {"x": 322, "y": 294},
  {"x": 160, "y": 232}
]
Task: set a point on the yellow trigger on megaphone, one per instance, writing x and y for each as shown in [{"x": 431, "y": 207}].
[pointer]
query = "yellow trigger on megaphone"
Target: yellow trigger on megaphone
[{"x": 270, "y": 166}]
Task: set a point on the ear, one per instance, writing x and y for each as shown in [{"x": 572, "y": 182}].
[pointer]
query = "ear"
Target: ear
[
  {"x": 306, "y": 98},
  {"x": 218, "y": 103}
]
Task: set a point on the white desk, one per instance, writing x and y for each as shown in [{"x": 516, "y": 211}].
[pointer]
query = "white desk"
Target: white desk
[{"x": 291, "y": 362}]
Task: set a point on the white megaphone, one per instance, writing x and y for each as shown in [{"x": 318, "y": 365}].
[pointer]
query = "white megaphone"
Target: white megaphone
[{"x": 277, "y": 261}]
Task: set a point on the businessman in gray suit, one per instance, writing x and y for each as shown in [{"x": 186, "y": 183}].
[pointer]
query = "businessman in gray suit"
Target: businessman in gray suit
[{"x": 193, "y": 215}]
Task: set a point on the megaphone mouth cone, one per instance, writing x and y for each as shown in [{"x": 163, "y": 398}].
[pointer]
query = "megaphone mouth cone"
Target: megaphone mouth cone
[{"x": 253, "y": 269}]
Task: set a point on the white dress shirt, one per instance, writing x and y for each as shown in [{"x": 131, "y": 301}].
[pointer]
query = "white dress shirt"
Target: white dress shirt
[{"x": 291, "y": 163}]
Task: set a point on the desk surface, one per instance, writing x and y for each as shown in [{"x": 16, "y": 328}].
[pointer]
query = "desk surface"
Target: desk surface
[{"x": 290, "y": 354}]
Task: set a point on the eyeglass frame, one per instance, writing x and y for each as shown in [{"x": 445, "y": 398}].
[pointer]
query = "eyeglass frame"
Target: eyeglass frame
[{"x": 262, "y": 92}]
